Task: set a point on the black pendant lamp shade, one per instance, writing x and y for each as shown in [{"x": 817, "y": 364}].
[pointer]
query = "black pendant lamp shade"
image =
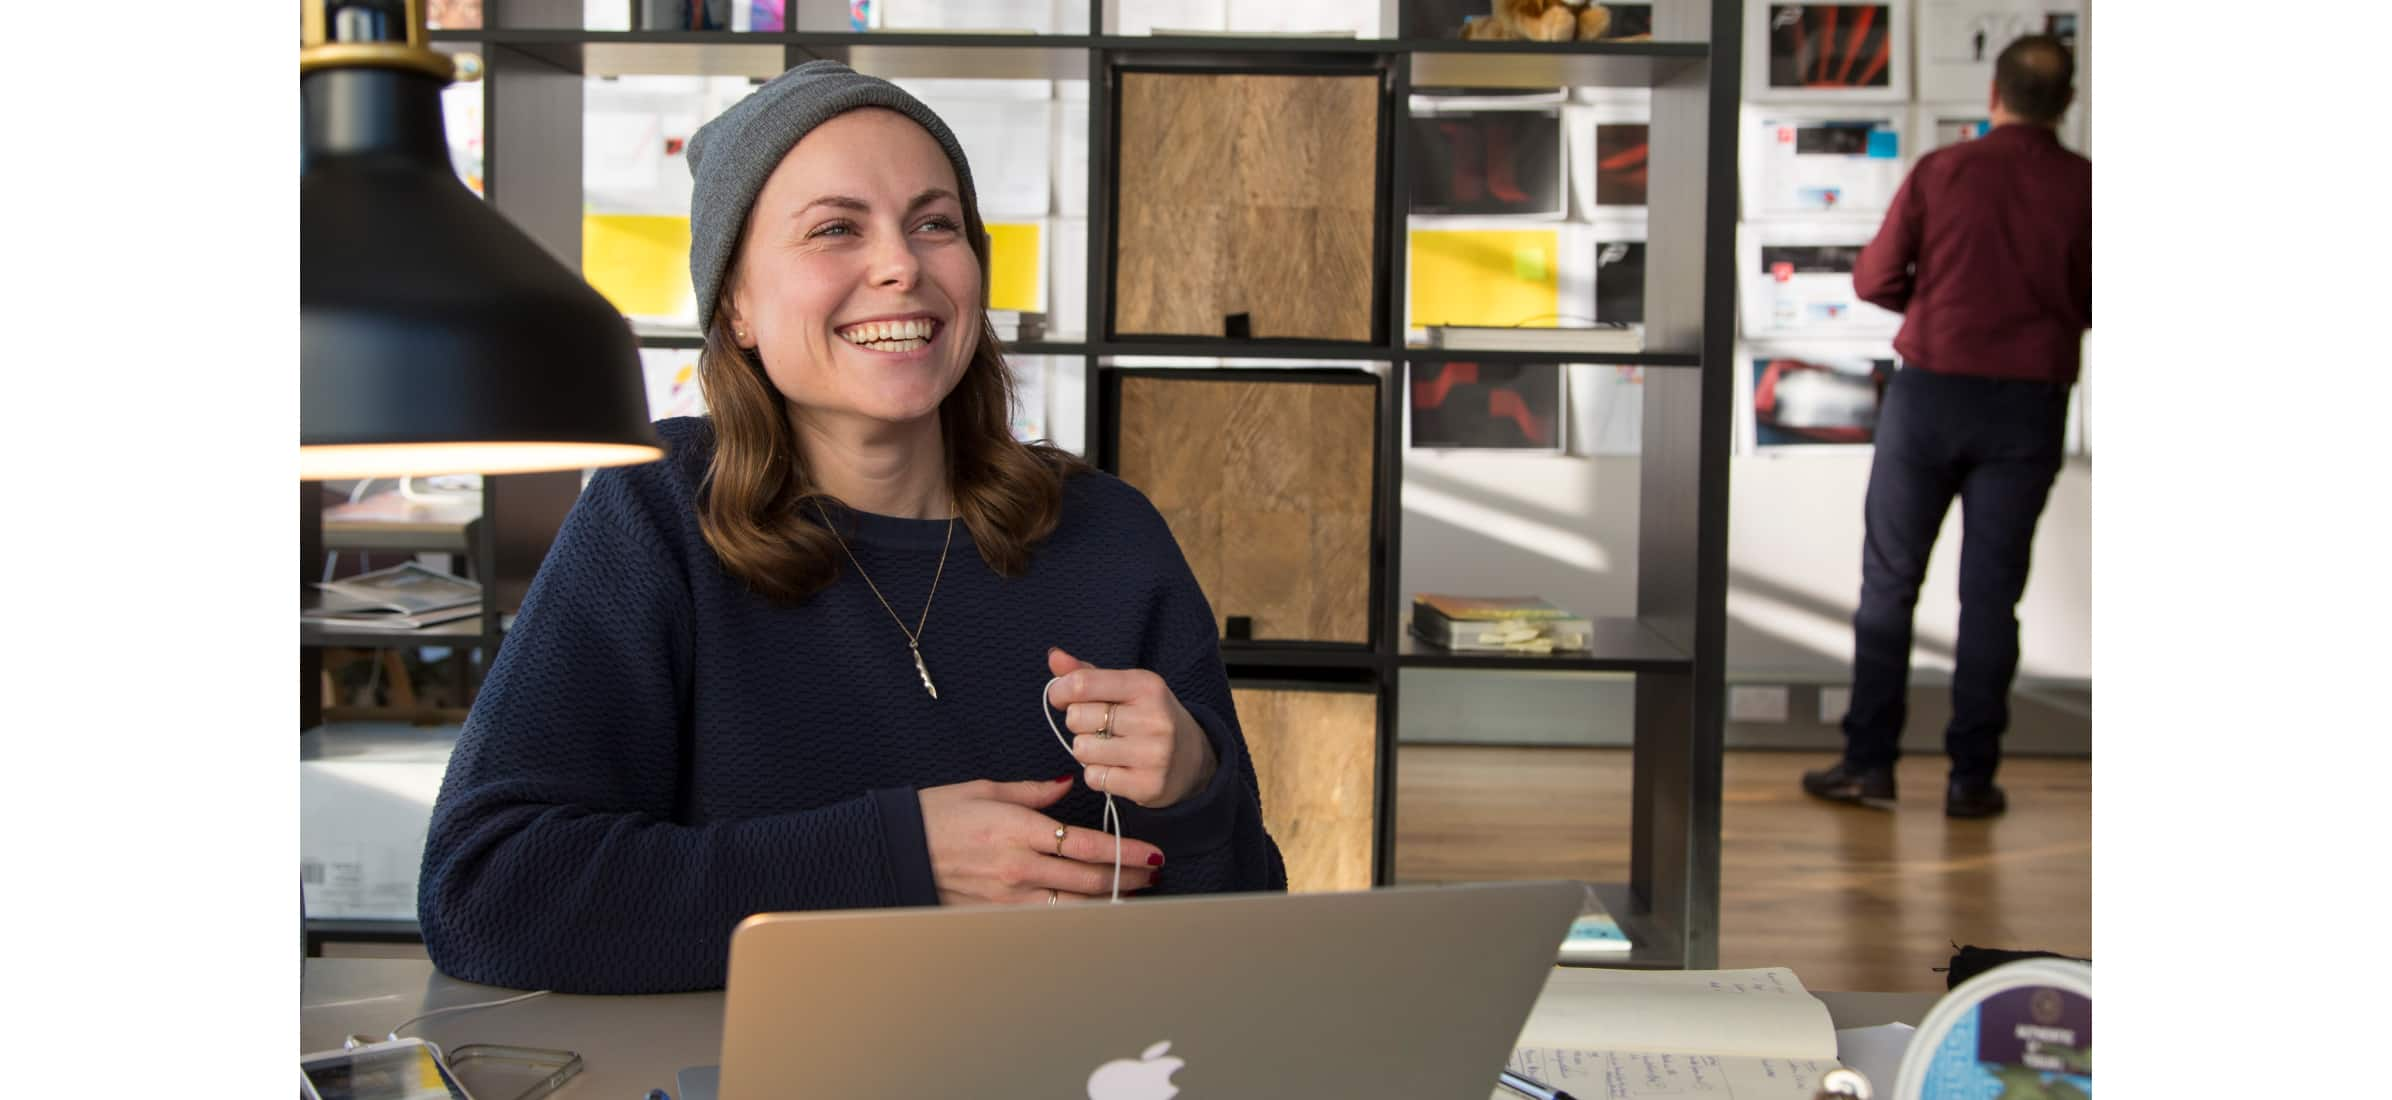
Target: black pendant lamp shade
[{"x": 435, "y": 336}]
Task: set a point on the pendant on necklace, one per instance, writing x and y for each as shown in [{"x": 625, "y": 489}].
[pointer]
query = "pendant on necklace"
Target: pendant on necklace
[{"x": 924, "y": 670}]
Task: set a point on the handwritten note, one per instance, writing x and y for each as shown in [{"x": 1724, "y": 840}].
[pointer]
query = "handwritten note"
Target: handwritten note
[
  {"x": 1761, "y": 1013},
  {"x": 1636, "y": 1075}
]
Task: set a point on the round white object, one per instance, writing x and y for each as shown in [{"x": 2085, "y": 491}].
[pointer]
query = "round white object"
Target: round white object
[{"x": 2033, "y": 1017}]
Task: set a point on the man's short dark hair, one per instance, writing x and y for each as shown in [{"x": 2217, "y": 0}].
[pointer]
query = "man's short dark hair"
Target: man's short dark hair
[{"x": 2033, "y": 76}]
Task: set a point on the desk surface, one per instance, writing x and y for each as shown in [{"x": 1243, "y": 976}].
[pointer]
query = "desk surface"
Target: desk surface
[{"x": 629, "y": 1045}]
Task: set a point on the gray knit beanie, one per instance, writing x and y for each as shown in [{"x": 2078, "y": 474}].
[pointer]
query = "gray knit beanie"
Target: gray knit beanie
[{"x": 731, "y": 156}]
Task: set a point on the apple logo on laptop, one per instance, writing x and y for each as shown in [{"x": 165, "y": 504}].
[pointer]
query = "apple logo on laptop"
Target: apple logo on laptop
[{"x": 1148, "y": 1078}]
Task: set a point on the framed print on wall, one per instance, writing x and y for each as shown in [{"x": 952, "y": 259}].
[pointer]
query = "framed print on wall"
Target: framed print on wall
[
  {"x": 1959, "y": 40},
  {"x": 1818, "y": 162},
  {"x": 1802, "y": 397},
  {"x": 1847, "y": 52},
  {"x": 1936, "y": 125},
  {"x": 1794, "y": 281}
]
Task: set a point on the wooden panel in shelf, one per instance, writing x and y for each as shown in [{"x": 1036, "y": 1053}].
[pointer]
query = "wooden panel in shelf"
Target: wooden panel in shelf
[
  {"x": 1267, "y": 486},
  {"x": 1245, "y": 193},
  {"x": 1316, "y": 762}
]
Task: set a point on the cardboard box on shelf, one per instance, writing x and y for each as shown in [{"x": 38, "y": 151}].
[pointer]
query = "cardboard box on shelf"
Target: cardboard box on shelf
[{"x": 365, "y": 804}]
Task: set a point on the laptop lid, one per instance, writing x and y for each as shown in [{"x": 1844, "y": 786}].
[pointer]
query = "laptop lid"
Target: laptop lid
[{"x": 1399, "y": 992}]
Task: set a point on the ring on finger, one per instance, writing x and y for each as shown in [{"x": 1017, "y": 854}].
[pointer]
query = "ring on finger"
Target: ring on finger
[
  {"x": 1101, "y": 778},
  {"x": 1105, "y": 732},
  {"x": 1059, "y": 831},
  {"x": 1052, "y": 896}
]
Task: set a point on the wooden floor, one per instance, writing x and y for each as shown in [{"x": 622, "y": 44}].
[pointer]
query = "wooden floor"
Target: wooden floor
[{"x": 1850, "y": 898}]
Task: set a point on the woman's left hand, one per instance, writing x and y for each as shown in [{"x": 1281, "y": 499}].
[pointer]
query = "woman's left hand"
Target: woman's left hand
[{"x": 1134, "y": 739}]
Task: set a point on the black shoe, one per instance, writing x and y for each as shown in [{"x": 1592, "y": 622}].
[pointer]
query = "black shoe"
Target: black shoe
[
  {"x": 1978, "y": 800},
  {"x": 1846, "y": 783}
]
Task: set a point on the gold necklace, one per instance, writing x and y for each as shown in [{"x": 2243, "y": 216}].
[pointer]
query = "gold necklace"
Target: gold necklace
[{"x": 913, "y": 638}]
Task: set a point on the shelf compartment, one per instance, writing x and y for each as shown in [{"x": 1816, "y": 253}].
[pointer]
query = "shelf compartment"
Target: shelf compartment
[
  {"x": 1605, "y": 359},
  {"x": 1261, "y": 658},
  {"x": 1620, "y": 644},
  {"x": 455, "y": 632},
  {"x": 1447, "y": 64},
  {"x": 1200, "y": 347},
  {"x": 763, "y": 56}
]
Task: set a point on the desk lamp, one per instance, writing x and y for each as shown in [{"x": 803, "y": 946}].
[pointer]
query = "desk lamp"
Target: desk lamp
[{"x": 435, "y": 336}]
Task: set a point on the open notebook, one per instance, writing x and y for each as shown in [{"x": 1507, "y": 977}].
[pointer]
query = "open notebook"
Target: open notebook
[{"x": 1721, "y": 1034}]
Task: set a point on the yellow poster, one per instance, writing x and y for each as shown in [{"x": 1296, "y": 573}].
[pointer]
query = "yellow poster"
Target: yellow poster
[
  {"x": 1014, "y": 255},
  {"x": 1486, "y": 277},
  {"x": 640, "y": 262}
]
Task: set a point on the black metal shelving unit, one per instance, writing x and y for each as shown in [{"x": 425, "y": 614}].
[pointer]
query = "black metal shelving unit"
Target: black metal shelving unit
[{"x": 536, "y": 59}]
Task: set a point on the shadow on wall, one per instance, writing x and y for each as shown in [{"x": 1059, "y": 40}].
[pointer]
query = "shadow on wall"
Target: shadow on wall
[{"x": 1489, "y": 525}]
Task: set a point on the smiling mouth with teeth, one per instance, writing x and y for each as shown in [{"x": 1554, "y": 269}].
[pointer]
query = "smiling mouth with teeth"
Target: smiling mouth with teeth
[{"x": 895, "y": 336}]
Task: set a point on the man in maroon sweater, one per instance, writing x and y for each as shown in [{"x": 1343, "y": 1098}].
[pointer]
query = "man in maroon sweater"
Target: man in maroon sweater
[{"x": 1988, "y": 254}]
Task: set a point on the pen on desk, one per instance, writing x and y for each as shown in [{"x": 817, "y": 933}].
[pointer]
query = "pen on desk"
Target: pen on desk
[{"x": 1528, "y": 1088}]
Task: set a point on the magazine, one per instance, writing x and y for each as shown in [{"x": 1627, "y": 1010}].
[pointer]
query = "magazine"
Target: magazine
[{"x": 402, "y": 597}]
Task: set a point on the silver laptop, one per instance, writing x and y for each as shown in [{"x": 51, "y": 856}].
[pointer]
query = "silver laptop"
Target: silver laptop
[{"x": 1401, "y": 992}]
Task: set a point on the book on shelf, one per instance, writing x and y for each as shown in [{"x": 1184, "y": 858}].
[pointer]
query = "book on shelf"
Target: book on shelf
[
  {"x": 1595, "y": 935},
  {"x": 1746, "y": 1034},
  {"x": 1499, "y": 624},
  {"x": 395, "y": 507},
  {"x": 1602, "y": 339},
  {"x": 407, "y": 596},
  {"x": 1018, "y": 325}
]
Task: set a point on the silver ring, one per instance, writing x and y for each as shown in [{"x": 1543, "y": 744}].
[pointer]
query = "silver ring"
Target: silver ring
[
  {"x": 1100, "y": 782},
  {"x": 1059, "y": 831},
  {"x": 1052, "y": 896}
]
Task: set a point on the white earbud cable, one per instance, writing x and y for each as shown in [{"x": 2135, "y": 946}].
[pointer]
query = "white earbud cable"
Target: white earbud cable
[{"x": 1112, "y": 816}]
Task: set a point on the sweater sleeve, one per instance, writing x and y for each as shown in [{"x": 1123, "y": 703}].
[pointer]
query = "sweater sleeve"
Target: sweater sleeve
[
  {"x": 1884, "y": 275},
  {"x": 556, "y": 858},
  {"x": 1214, "y": 840}
]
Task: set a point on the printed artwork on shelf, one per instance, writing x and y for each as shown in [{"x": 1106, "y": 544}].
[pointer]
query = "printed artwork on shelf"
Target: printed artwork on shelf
[
  {"x": 1817, "y": 399},
  {"x": 672, "y": 377},
  {"x": 453, "y": 15},
  {"x": 1623, "y": 158},
  {"x": 1017, "y": 266},
  {"x": 1029, "y": 396},
  {"x": 640, "y": 262},
  {"x": 1501, "y": 277},
  {"x": 1486, "y": 406},
  {"x": 461, "y": 116},
  {"x": 1007, "y": 131},
  {"x": 1488, "y": 162},
  {"x": 1620, "y": 282},
  {"x": 1606, "y": 410}
]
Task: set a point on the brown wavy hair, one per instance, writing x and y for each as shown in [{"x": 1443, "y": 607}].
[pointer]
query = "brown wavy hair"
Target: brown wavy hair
[{"x": 755, "y": 506}]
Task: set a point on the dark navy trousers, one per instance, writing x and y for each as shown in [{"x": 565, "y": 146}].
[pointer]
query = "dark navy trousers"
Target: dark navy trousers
[{"x": 1996, "y": 445}]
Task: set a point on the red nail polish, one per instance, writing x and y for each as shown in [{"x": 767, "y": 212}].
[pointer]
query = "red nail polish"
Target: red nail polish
[
  {"x": 1155, "y": 860},
  {"x": 1066, "y": 777}
]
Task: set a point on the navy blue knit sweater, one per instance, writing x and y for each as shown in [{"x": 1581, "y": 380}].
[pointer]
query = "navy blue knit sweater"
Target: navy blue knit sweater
[{"x": 658, "y": 752}]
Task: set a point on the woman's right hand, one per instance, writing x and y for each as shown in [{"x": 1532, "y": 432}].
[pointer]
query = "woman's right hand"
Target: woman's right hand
[{"x": 989, "y": 844}]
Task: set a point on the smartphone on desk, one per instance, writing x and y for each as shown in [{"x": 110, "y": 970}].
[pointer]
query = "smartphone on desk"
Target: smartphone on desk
[{"x": 402, "y": 1069}]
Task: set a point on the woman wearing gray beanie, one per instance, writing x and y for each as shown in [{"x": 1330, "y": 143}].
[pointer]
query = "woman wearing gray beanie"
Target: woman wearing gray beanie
[{"x": 793, "y": 664}]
